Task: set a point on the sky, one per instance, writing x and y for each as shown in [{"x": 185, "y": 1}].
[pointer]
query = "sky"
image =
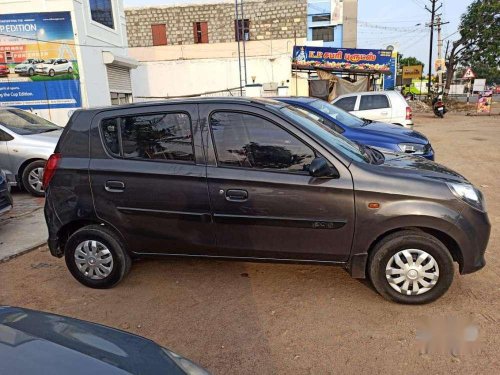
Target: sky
[{"x": 374, "y": 15}]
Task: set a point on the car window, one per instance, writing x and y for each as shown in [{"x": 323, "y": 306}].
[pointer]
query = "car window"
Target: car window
[
  {"x": 25, "y": 123},
  {"x": 4, "y": 137},
  {"x": 323, "y": 119},
  {"x": 373, "y": 102},
  {"x": 345, "y": 118},
  {"x": 347, "y": 104},
  {"x": 164, "y": 137},
  {"x": 249, "y": 141}
]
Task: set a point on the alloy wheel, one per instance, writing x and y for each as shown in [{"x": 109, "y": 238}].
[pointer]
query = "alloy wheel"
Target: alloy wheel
[
  {"x": 35, "y": 178},
  {"x": 412, "y": 272}
]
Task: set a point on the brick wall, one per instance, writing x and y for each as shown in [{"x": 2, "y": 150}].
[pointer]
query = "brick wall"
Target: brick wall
[{"x": 269, "y": 19}]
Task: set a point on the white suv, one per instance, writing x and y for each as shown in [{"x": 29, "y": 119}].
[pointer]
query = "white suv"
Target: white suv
[
  {"x": 384, "y": 106},
  {"x": 54, "y": 66}
]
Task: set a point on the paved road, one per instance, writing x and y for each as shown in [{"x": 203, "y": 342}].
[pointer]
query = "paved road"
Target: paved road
[
  {"x": 256, "y": 318},
  {"x": 24, "y": 227}
]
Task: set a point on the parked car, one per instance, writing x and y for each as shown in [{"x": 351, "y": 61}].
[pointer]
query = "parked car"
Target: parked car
[
  {"x": 385, "y": 106},
  {"x": 5, "y": 197},
  {"x": 379, "y": 135},
  {"x": 26, "y": 142},
  {"x": 54, "y": 66},
  {"x": 4, "y": 70},
  {"x": 27, "y": 67},
  {"x": 35, "y": 342},
  {"x": 250, "y": 179}
]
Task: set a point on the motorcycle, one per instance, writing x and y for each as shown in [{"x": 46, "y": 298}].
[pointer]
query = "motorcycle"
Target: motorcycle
[{"x": 438, "y": 106}]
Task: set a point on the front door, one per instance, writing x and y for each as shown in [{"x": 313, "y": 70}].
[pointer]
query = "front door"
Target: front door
[
  {"x": 265, "y": 204},
  {"x": 148, "y": 178}
]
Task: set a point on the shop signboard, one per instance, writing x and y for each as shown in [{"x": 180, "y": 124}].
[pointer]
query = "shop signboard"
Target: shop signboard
[{"x": 412, "y": 71}]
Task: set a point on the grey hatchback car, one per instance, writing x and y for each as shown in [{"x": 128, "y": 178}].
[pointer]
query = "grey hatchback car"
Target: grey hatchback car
[
  {"x": 257, "y": 180},
  {"x": 26, "y": 142}
]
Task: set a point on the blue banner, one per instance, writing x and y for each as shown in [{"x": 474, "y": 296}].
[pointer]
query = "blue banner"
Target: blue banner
[
  {"x": 38, "y": 60},
  {"x": 342, "y": 59}
]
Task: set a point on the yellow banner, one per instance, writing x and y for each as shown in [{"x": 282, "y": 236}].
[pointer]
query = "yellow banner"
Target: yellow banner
[{"x": 412, "y": 71}]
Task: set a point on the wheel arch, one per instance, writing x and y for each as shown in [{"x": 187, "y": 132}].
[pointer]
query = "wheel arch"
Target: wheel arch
[{"x": 359, "y": 262}]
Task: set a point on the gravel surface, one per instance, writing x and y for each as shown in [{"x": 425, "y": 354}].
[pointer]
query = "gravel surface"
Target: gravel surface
[{"x": 255, "y": 318}]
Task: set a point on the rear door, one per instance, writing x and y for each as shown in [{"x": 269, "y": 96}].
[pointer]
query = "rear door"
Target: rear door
[
  {"x": 374, "y": 107},
  {"x": 5, "y": 158},
  {"x": 265, "y": 204},
  {"x": 148, "y": 177}
]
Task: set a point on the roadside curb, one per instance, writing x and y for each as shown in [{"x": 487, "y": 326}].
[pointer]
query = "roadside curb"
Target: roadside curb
[{"x": 22, "y": 252}]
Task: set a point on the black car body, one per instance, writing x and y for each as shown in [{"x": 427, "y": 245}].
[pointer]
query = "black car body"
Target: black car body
[
  {"x": 251, "y": 180},
  {"x": 34, "y": 342},
  {"x": 5, "y": 197}
]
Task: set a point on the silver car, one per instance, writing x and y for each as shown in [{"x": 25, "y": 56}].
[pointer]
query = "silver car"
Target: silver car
[{"x": 26, "y": 142}]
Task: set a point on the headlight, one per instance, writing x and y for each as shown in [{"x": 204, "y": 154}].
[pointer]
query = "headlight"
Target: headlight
[
  {"x": 185, "y": 364},
  {"x": 468, "y": 193},
  {"x": 412, "y": 148}
]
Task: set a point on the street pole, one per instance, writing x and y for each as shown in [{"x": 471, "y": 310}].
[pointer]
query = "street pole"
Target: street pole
[
  {"x": 238, "y": 40},
  {"x": 440, "y": 47},
  {"x": 433, "y": 14}
]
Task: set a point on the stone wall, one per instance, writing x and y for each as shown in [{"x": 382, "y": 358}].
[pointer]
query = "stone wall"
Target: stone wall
[{"x": 269, "y": 19}]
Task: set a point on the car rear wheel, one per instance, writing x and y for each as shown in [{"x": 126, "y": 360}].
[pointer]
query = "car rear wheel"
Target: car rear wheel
[
  {"x": 70, "y": 70},
  {"x": 411, "y": 267},
  {"x": 52, "y": 73},
  {"x": 96, "y": 258},
  {"x": 32, "y": 178}
]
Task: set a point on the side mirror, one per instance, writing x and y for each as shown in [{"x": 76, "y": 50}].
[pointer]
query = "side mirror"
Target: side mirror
[{"x": 320, "y": 168}]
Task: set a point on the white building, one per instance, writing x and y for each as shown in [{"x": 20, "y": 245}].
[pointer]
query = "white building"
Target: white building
[{"x": 95, "y": 65}]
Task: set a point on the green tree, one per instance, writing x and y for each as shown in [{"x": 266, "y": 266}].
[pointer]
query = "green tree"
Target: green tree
[{"x": 478, "y": 45}]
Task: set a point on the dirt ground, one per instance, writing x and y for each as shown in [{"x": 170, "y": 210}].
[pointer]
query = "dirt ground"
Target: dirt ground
[{"x": 252, "y": 318}]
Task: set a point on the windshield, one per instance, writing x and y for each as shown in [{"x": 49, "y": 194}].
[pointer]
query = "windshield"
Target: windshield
[
  {"x": 345, "y": 118},
  {"x": 29, "y": 61},
  {"x": 341, "y": 144},
  {"x": 25, "y": 123},
  {"x": 51, "y": 61}
]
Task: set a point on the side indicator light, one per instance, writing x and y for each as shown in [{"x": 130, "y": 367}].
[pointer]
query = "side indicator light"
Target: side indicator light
[{"x": 373, "y": 205}]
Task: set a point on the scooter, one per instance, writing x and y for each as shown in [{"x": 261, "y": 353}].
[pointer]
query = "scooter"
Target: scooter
[{"x": 438, "y": 106}]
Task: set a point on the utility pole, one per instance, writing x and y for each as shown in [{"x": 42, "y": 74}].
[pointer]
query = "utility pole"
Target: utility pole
[
  {"x": 433, "y": 11},
  {"x": 439, "y": 23}
]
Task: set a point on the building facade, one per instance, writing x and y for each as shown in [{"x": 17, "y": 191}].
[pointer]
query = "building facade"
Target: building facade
[
  {"x": 332, "y": 23},
  {"x": 63, "y": 55},
  {"x": 193, "y": 49}
]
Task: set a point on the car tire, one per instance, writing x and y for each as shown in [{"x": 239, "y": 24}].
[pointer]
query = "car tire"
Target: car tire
[
  {"x": 31, "y": 72},
  {"x": 108, "y": 269},
  {"x": 70, "y": 70},
  {"x": 52, "y": 73},
  {"x": 387, "y": 274},
  {"x": 32, "y": 178}
]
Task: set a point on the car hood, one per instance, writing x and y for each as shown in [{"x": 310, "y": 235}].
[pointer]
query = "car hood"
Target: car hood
[
  {"x": 21, "y": 66},
  {"x": 416, "y": 165},
  {"x": 396, "y": 132},
  {"x": 33, "y": 342}
]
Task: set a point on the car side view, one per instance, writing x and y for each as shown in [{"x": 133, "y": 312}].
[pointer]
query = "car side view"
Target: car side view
[
  {"x": 382, "y": 136},
  {"x": 27, "y": 67},
  {"x": 54, "y": 66},
  {"x": 254, "y": 179},
  {"x": 26, "y": 142}
]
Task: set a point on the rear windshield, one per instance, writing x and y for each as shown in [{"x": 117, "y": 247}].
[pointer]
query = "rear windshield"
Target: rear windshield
[
  {"x": 25, "y": 123},
  {"x": 345, "y": 118}
]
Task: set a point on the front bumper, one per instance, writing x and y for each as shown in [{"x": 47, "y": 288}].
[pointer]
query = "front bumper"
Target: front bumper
[{"x": 472, "y": 233}]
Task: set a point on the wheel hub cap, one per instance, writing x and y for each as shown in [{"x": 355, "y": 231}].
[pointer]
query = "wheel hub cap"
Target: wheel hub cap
[
  {"x": 94, "y": 260},
  {"x": 35, "y": 178},
  {"x": 412, "y": 272}
]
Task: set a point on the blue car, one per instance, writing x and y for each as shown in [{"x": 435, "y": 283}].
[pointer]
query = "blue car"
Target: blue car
[{"x": 379, "y": 135}]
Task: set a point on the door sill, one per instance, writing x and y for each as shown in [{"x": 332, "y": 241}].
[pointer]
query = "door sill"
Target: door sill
[{"x": 244, "y": 259}]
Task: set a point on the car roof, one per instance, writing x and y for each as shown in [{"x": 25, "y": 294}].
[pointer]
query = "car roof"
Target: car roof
[
  {"x": 296, "y": 99},
  {"x": 198, "y": 100}
]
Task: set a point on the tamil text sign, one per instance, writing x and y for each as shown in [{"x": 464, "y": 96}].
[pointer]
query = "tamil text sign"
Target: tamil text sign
[{"x": 412, "y": 72}]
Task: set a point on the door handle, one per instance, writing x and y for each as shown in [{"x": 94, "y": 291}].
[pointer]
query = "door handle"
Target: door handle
[
  {"x": 384, "y": 113},
  {"x": 114, "y": 186},
  {"x": 236, "y": 195}
]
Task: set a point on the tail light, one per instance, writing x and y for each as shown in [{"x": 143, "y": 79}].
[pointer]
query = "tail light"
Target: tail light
[
  {"x": 408, "y": 113},
  {"x": 50, "y": 169}
]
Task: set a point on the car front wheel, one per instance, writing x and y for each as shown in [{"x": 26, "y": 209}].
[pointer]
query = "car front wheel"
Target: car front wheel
[
  {"x": 70, "y": 70},
  {"x": 96, "y": 258},
  {"x": 31, "y": 72},
  {"x": 52, "y": 73},
  {"x": 411, "y": 267}
]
